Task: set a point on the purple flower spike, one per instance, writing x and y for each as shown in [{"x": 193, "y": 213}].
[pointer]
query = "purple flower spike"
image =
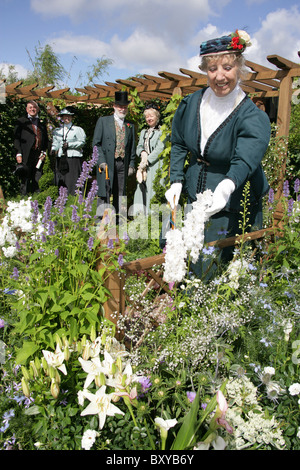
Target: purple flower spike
[
  {"x": 47, "y": 210},
  {"x": 297, "y": 185},
  {"x": 83, "y": 176},
  {"x": 15, "y": 274},
  {"x": 286, "y": 188},
  {"x": 90, "y": 243},
  {"x": 62, "y": 199},
  {"x": 290, "y": 206},
  {"x": 75, "y": 217},
  {"x": 35, "y": 211}
]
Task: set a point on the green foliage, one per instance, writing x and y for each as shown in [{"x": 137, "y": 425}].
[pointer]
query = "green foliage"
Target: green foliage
[
  {"x": 294, "y": 139},
  {"x": 47, "y": 69}
]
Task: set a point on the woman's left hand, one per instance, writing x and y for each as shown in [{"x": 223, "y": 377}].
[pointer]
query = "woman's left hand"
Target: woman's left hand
[{"x": 221, "y": 196}]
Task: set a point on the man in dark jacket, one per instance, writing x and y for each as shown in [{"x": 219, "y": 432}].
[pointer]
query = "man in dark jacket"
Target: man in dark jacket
[
  {"x": 114, "y": 138},
  {"x": 31, "y": 143}
]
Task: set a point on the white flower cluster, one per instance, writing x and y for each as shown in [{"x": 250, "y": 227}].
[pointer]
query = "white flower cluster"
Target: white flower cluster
[
  {"x": 187, "y": 242},
  {"x": 175, "y": 265},
  {"x": 251, "y": 426},
  {"x": 295, "y": 216},
  {"x": 18, "y": 219}
]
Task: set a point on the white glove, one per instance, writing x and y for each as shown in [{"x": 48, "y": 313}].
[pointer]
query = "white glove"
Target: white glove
[
  {"x": 221, "y": 196},
  {"x": 173, "y": 194},
  {"x": 139, "y": 175}
]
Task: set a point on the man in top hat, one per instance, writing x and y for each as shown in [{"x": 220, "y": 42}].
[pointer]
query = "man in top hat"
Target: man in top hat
[
  {"x": 68, "y": 142},
  {"x": 31, "y": 143},
  {"x": 114, "y": 138}
]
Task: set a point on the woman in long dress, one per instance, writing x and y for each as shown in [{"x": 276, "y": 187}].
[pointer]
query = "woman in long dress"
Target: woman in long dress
[
  {"x": 226, "y": 136},
  {"x": 149, "y": 149}
]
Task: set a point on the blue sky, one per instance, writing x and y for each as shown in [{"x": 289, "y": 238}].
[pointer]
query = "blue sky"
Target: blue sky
[{"x": 141, "y": 36}]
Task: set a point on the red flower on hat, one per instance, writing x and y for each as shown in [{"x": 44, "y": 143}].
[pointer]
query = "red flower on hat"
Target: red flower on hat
[{"x": 239, "y": 40}]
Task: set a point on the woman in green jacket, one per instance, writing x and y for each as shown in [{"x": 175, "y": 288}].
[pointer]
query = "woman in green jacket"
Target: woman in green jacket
[{"x": 225, "y": 136}]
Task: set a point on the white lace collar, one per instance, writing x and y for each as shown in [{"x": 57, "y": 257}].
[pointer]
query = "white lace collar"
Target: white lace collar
[{"x": 214, "y": 110}]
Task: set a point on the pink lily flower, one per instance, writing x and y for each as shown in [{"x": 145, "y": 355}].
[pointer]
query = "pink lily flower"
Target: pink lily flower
[{"x": 223, "y": 407}]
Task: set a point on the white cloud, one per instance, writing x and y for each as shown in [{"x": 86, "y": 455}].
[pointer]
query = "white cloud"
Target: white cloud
[
  {"x": 19, "y": 69},
  {"x": 139, "y": 52},
  {"x": 79, "y": 45},
  {"x": 279, "y": 34}
]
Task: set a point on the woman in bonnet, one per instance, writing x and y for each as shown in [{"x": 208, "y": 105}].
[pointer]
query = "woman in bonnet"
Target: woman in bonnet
[
  {"x": 149, "y": 148},
  {"x": 226, "y": 136}
]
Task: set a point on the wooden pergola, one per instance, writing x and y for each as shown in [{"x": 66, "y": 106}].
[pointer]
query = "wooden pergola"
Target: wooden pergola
[{"x": 261, "y": 83}]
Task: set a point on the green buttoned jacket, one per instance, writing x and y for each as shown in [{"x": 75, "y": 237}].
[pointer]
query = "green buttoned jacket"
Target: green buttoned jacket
[{"x": 235, "y": 150}]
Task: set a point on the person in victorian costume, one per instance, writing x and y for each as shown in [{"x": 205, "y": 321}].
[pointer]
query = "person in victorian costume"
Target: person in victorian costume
[
  {"x": 68, "y": 142},
  {"x": 114, "y": 138},
  {"x": 31, "y": 144},
  {"x": 226, "y": 136},
  {"x": 149, "y": 148}
]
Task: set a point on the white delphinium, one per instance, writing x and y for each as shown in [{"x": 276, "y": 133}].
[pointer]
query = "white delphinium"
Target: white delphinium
[
  {"x": 194, "y": 224},
  {"x": 188, "y": 241},
  {"x": 174, "y": 265}
]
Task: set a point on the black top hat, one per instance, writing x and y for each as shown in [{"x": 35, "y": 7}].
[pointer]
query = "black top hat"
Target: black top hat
[{"x": 121, "y": 98}]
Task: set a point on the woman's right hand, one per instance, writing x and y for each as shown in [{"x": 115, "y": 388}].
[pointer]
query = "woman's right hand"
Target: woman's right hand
[{"x": 173, "y": 194}]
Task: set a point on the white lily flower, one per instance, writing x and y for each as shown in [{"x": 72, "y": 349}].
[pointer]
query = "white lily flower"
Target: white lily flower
[
  {"x": 165, "y": 424},
  {"x": 93, "y": 368},
  {"x": 95, "y": 347},
  {"x": 121, "y": 380},
  {"x": 100, "y": 404},
  {"x": 55, "y": 359}
]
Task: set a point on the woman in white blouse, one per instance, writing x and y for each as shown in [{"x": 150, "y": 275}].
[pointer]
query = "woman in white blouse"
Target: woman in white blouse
[
  {"x": 68, "y": 142},
  {"x": 226, "y": 136}
]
